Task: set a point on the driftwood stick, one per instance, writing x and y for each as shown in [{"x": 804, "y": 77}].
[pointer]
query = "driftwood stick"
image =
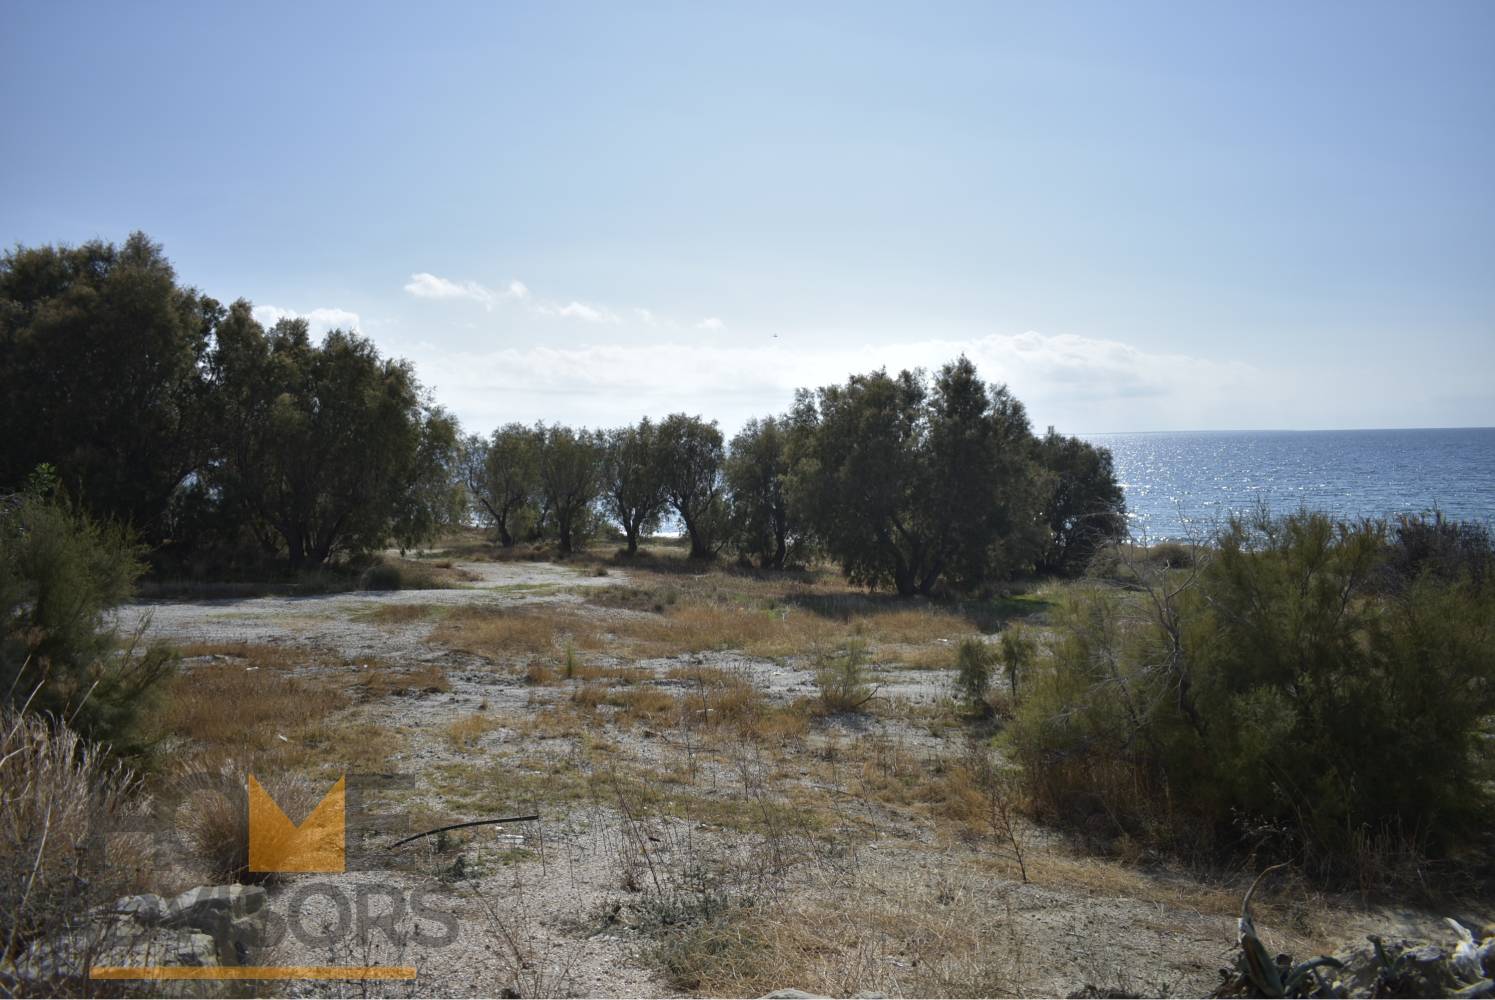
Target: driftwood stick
[{"x": 463, "y": 826}]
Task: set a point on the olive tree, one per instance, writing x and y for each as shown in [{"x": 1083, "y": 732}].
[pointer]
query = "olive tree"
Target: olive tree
[
  {"x": 502, "y": 475},
  {"x": 693, "y": 455},
  {"x": 633, "y": 479},
  {"x": 329, "y": 446},
  {"x": 570, "y": 478},
  {"x": 911, "y": 482},
  {"x": 757, "y": 469}
]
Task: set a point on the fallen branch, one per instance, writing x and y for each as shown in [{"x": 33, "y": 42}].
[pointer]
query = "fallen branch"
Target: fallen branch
[{"x": 463, "y": 826}]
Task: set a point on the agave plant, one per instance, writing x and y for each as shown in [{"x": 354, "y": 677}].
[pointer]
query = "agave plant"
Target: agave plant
[{"x": 1260, "y": 975}]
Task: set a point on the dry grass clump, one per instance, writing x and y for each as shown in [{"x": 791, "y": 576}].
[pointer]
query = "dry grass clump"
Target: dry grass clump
[
  {"x": 507, "y": 631},
  {"x": 539, "y": 674},
  {"x": 895, "y": 931},
  {"x": 212, "y": 813},
  {"x": 380, "y": 681},
  {"x": 62, "y": 803},
  {"x": 259, "y": 656},
  {"x": 400, "y": 614},
  {"x": 650, "y": 706},
  {"x": 410, "y": 574},
  {"x": 466, "y": 732}
]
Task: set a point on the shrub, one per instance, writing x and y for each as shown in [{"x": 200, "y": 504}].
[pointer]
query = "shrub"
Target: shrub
[
  {"x": 1429, "y": 544},
  {"x": 62, "y": 804},
  {"x": 1018, "y": 650},
  {"x": 212, "y": 814},
  {"x": 1173, "y": 555},
  {"x": 841, "y": 679},
  {"x": 1278, "y": 701},
  {"x": 973, "y": 663},
  {"x": 60, "y": 575}
]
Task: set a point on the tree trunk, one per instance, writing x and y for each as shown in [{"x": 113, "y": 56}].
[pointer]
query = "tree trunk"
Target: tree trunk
[
  {"x": 504, "y": 538},
  {"x": 295, "y": 548},
  {"x": 781, "y": 544},
  {"x": 631, "y": 530}
]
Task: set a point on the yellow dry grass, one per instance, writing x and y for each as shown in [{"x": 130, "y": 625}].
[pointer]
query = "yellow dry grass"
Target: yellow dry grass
[
  {"x": 380, "y": 681},
  {"x": 400, "y": 614},
  {"x": 465, "y": 733},
  {"x": 235, "y": 708}
]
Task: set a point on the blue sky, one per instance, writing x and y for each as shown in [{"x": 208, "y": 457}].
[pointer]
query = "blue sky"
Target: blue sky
[{"x": 1140, "y": 216}]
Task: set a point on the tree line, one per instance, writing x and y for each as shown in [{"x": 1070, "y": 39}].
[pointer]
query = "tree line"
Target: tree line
[{"x": 222, "y": 441}]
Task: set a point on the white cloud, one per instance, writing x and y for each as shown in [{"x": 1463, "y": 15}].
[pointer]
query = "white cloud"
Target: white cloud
[
  {"x": 319, "y": 320},
  {"x": 425, "y": 285},
  {"x": 581, "y": 311},
  {"x": 711, "y": 323},
  {"x": 1078, "y": 383}
]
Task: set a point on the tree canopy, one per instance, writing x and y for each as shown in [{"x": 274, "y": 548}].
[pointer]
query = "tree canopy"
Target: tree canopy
[
  {"x": 101, "y": 355},
  {"x": 223, "y": 442}
]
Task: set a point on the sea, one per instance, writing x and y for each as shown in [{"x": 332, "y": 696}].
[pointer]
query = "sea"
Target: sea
[{"x": 1180, "y": 483}]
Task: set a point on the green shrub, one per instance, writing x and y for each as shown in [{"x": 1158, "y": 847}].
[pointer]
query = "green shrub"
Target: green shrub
[
  {"x": 1280, "y": 701},
  {"x": 1018, "y": 650},
  {"x": 840, "y": 678},
  {"x": 973, "y": 663},
  {"x": 60, "y": 575},
  {"x": 1173, "y": 555}
]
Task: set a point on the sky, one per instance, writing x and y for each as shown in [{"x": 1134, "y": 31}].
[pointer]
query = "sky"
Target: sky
[{"x": 1139, "y": 216}]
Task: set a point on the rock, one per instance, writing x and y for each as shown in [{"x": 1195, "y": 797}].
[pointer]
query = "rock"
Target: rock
[
  {"x": 147, "y": 908},
  {"x": 230, "y": 914},
  {"x": 790, "y": 995}
]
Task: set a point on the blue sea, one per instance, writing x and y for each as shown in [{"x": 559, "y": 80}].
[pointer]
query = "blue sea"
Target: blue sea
[{"x": 1176, "y": 482}]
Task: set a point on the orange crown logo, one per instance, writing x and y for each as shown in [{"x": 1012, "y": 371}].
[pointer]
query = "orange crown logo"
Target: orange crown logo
[{"x": 278, "y": 845}]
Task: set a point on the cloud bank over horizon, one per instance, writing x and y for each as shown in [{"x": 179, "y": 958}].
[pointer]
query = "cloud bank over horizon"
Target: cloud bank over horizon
[{"x": 1079, "y": 384}]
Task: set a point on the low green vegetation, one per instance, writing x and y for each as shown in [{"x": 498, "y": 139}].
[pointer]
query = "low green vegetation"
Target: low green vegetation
[{"x": 1308, "y": 689}]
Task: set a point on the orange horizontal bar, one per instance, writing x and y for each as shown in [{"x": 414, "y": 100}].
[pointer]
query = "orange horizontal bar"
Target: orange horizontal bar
[{"x": 252, "y": 972}]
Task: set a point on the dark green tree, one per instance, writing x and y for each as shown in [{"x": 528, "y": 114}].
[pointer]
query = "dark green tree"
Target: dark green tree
[
  {"x": 503, "y": 477},
  {"x": 100, "y": 375},
  {"x": 633, "y": 480},
  {"x": 908, "y": 483},
  {"x": 569, "y": 465},
  {"x": 757, "y": 470},
  {"x": 1084, "y": 506},
  {"x": 329, "y": 447},
  {"x": 693, "y": 456}
]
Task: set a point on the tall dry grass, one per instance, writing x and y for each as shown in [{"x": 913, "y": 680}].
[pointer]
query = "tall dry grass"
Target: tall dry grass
[{"x": 67, "y": 837}]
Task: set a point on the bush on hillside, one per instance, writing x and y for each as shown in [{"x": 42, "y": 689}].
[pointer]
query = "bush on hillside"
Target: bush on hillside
[{"x": 1275, "y": 699}]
